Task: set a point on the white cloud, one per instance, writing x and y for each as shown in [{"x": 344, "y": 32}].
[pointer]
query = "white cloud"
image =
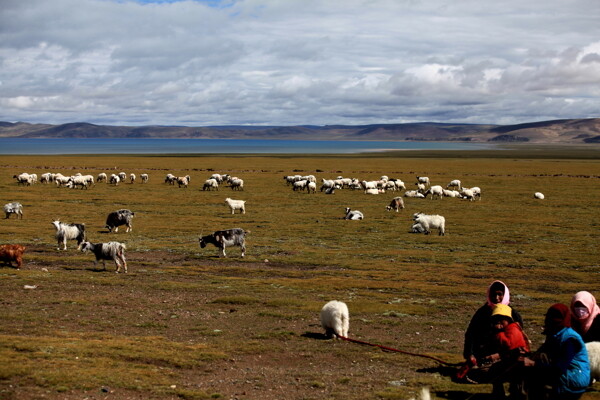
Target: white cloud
[{"x": 298, "y": 61}]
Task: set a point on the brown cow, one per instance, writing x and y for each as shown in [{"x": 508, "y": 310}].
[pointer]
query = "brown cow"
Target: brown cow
[{"x": 12, "y": 252}]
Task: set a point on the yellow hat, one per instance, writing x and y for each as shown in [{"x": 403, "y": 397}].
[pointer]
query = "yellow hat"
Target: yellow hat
[{"x": 503, "y": 310}]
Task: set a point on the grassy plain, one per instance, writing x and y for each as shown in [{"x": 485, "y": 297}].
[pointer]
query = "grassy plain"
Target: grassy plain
[{"x": 186, "y": 324}]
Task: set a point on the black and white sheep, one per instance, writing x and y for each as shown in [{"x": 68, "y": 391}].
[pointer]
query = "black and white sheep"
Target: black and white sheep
[
  {"x": 183, "y": 181},
  {"x": 118, "y": 218},
  {"x": 335, "y": 319},
  {"x": 144, "y": 178},
  {"x": 423, "y": 179},
  {"x": 66, "y": 232},
  {"x": 225, "y": 238},
  {"x": 353, "y": 214},
  {"x": 107, "y": 251},
  {"x": 425, "y": 223},
  {"x": 13, "y": 208},
  {"x": 396, "y": 204},
  {"x": 210, "y": 184}
]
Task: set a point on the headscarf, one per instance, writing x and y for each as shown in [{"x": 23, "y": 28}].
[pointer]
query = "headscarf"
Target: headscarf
[
  {"x": 589, "y": 301},
  {"x": 505, "y": 299},
  {"x": 558, "y": 316}
]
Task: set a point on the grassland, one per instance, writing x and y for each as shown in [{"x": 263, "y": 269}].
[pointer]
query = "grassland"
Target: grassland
[{"x": 186, "y": 324}]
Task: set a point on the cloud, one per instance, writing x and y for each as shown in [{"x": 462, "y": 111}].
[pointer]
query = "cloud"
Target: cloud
[{"x": 298, "y": 61}]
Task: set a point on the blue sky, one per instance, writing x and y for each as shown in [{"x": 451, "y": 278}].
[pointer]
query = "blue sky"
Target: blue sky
[{"x": 289, "y": 62}]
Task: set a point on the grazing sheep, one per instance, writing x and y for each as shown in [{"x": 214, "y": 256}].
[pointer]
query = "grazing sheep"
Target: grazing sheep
[
  {"x": 467, "y": 194},
  {"x": 435, "y": 190},
  {"x": 183, "y": 181},
  {"x": 236, "y": 183},
  {"x": 23, "y": 179},
  {"x": 236, "y": 205},
  {"x": 399, "y": 184},
  {"x": 114, "y": 180},
  {"x": 299, "y": 185},
  {"x": 226, "y": 238},
  {"x": 353, "y": 214},
  {"x": 423, "y": 179},
  {"x": 450, "y": 193},
  {"x": 369, "y": 185},
  {"x": 170, "y": 179},
  {"x": 335, "y": 319},
  {"x": 593, "y": 349},
  {"x": 414, "y": 193},
  {"x": 454, "y": 184},
  {"x": 101, "y": 177},
  {"x": 132, "y": 178},
  {"x": 538, "y": 195},
  {"x": 107, "y": 251},
  {"x": 311, "y": 187},
  {"x": 396, "y": 204},
  {"x": 144, "y": 178},
  {"x": 424, "y": 223},
  {"x": 13, "y": 208},
  {"x": 327, "y": 184},
  {"x": 122, "y": 176},
  {"x": 66, "y": 232},
  {"x": 78, "y": 181},
  {"x": 46, "y": 178},
  {"x": 12, "y": 252},
  {"x": 420, "y": 187},
  {"x": 210, "y": 184},
  {"x": 476, "y": 192},
  {"x": 118, "y": 218}
]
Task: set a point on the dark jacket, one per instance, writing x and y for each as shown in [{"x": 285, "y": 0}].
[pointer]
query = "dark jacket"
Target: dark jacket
[
  {"x": 593, "y": 334},
  {"x": 479, "y": 336}
]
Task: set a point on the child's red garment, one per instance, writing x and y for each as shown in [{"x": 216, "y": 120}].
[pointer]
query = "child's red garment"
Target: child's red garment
[{"x": 512, "y": 337}]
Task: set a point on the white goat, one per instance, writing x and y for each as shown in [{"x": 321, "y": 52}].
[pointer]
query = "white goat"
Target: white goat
[
  {"x": 335, "y": 319},
  {"x": 13, "y": 208},
  {"x": 107, "y": 251},
  {"x": 353, "y": 214},
  {"x": 593, "y": 349},
  {"x": 538, "y": 195},
  {"x": 236, "y": 205},
  {"x": 66, "y": 232},
  {"x": 424, "y": 223}
]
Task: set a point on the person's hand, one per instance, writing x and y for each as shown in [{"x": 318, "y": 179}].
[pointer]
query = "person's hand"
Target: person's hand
[{"x": 528, "y": 362}]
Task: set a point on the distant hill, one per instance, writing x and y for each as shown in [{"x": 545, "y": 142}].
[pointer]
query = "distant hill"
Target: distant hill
[{"x": 558, "y": 131}]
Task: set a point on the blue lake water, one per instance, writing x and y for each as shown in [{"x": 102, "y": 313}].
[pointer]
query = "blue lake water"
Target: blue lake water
[{"x": 20, "y": 146}]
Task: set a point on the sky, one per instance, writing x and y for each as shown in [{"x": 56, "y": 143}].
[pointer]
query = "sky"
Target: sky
[{"x": 298, "y": 62}]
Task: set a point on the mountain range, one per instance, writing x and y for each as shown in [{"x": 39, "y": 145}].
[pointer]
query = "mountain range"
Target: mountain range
[{"x": 564, "y": 131}]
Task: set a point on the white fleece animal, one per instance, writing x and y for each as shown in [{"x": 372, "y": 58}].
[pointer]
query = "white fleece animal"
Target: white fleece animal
[
  {"x": 593, "y": 349},
  {"x": 236, "y": 205},
  {"x": 335, "y": 319}
]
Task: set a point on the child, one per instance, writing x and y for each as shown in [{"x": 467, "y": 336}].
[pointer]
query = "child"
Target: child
[{"x": 511, "y": 345}]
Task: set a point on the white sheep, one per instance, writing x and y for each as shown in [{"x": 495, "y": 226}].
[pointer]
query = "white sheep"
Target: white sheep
[
  {"x": 170, "y": 179},
  {"x": 374, "y": 191},
  {"x": 335, "y": 319},
  {"x": 593, "y": 350},
  {"x": 413, "y": 193},
  {"x": 538, "y": 195},
  {"x": 435, "y": 190},
  {"x": 353, "y": 214},
  {"x": 183, "y": 181},
  {"x": 122, "y": 176},
  {"x": 421, "y": 187},
  {"x": 450, "y": 193},
  {"x": 327, "y": 184},
  {"x": 102, "y": 177},
  {"x": 299, "y": 185},
  {"x": 114, "y": 180},
  {"x": 144, "y": 178},
  {"x": 210, "y": 184},
  {"x": 132, "y": 178},
  {"x": 423, "y": 179},
  {"x": 311, "y": 187},
  {"x": 46, "y": 178},
  {"x": 236, "y": 183},
  {"x": 425, "y": 223},
  {"x": 396, "y": 204},
  {"x": 236, "y": 205},
  {"x": 369, "y": 185},
  {"x": 454, "y": 184},
  {"x": 467, "y": 194}
]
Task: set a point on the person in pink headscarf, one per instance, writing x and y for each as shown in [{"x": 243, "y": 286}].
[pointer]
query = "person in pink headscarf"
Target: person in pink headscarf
[
  {"x": 479, "y": 334},
  {"x": 585, "y": 316}
]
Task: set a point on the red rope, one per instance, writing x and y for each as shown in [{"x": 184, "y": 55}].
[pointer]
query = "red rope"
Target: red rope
[{"x": 400, "y": 351}]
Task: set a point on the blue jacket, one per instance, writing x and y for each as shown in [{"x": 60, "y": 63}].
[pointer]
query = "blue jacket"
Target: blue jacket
[{"x": 568, "y": 355}]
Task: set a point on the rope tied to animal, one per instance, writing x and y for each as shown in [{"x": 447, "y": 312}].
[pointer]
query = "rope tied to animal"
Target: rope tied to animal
[{"x": 386, "y": 348}]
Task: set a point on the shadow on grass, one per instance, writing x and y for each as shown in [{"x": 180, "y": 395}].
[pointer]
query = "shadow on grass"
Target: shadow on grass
[
  {"x": 460, "y": 395},
  {"x": 316, "y": 336}
]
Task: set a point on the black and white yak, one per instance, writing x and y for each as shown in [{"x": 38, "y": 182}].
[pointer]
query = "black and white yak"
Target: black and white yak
[
  {"x": 118, "y": 218},
  {"x": 226, "y": 238},
  {"x": 66, "y": 232},
  {"x": 107, "y": 251}
]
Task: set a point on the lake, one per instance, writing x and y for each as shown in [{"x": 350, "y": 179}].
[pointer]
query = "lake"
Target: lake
[{"x": 19, "y": 146}]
